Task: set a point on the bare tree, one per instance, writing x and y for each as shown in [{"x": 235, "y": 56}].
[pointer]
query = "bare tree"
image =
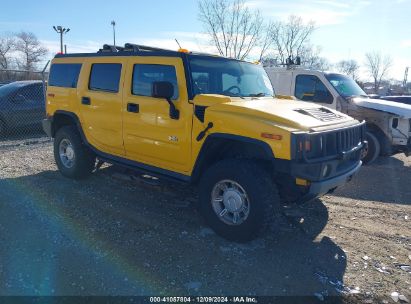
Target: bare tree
[
  {"x": 7, "y": 44},
  {"x": 234, "y": 28},
  {"x": 378, "y": 67},
  {"x": 312, "y": 58},
  {"x": 32, "y": 51},
  {"x": 348, "y": 67},
  {"x": 291, "y": 38},
  {"x": 265, "y": 41}
]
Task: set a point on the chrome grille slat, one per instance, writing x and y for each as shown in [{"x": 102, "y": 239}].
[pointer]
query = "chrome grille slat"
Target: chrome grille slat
[{"x": 335, "y": 143}]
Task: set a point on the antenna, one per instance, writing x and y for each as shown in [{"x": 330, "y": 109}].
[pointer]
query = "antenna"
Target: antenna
[{"x": 179, "y": 46}]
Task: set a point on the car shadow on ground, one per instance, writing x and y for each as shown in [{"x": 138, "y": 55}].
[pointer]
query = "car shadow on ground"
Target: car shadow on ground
[
  {"x": 21, "y": 136},
  {"x": 387, "y": 171},
  {"x": 110, "y": 236}
]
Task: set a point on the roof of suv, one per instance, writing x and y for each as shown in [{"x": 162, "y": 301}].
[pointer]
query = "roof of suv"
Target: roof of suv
[{"x": 138, "y": 50}]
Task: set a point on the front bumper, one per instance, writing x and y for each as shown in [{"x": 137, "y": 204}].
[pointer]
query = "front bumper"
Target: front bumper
[
  {"x": 302, "y": 181},
  {"x": 315, "y": 189},
  {"x": 319, "y": 188}
]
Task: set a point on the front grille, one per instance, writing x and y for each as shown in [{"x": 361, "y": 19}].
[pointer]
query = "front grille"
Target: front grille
[
  {"x": 331, "y": 144},
  {"x": 322, "y": 114}
]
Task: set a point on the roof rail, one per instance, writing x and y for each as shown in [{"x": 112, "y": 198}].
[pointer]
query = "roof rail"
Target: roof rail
[
  {"x": 131, "y": 47},
  {"x": 110, "y": 48}
]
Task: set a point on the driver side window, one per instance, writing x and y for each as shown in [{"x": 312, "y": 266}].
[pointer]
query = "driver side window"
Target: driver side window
[{"x": 310, "y": 88}]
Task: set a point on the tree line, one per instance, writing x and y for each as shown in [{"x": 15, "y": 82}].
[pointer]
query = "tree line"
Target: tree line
[
  {"x": 21, "y": 51},
  {"x": 236, "y": 30}
]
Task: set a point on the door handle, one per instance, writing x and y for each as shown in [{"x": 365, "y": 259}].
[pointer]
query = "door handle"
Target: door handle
[
  {"x": 86, "y": 101},
  {"x": 133, "y": 107}
]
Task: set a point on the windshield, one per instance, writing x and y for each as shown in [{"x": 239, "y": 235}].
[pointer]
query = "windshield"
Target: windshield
[
  {"x": 345, "y": 85},
  {"x": 213, "y": 75}
]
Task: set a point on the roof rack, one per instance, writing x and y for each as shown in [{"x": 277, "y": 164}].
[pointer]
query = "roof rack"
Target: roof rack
[
  {"x": 110, "y": 48},
  {"x": 131, "y": 47}
]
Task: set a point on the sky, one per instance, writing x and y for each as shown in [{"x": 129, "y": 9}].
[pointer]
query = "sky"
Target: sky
[{"x": 344, "y": 29}]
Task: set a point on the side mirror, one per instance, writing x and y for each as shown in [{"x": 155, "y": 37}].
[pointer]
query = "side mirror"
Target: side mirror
[
  {"x": 162, "y": 89},
  {"x": 323, "y": 97},
  {"x": 165, "y": 89}
]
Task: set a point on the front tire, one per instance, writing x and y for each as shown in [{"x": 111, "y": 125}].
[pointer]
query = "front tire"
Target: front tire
[
  {"x": 73, "y": 159},
  {"x": 373, "y": 150},
  {"x": 238, "y": 199}
]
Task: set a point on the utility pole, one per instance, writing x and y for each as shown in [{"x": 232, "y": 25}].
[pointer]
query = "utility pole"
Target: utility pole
[
  {"x": 61, "y": 30},
  {"x": 113, "y": 23},
  {"x": 404, "y": 84}
]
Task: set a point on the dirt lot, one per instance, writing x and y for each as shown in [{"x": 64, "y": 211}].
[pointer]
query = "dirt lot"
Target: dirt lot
[{"x": 109, "y": 235}]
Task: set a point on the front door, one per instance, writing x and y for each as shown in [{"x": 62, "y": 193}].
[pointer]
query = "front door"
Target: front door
[
  {"x": 151, "y": 136},
  {"x": 311, "y": 88},
  {"x": 100, "y": 103}
]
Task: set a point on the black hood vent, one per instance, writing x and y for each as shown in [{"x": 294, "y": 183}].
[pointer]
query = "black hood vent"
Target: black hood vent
[{"x": 322, "y": 114}]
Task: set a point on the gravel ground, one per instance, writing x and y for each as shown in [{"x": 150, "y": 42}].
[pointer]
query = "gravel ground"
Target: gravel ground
[{"x": 113, "y": 235}]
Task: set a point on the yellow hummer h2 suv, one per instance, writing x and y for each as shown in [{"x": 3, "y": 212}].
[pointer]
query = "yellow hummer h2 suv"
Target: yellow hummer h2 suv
[{"x": 200, "y": 119}]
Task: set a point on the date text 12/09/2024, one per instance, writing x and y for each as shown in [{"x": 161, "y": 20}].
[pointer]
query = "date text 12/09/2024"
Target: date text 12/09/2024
[{"x": 203, "y": 299}]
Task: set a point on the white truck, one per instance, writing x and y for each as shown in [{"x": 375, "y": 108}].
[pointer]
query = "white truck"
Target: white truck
[{"x": 388, "y": 123}]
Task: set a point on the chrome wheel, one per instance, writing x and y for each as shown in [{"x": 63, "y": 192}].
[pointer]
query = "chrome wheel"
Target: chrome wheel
[
  {"x": 66, "y": 152},
  {"x": 230, "y": 202}
]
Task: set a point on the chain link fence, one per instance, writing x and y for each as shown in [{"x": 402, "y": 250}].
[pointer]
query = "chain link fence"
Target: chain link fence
[{"x": 22, "y": 107}]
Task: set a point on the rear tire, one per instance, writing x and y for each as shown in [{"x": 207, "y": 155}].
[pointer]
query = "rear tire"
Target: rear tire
[
  {"x": 374, "y": 149},
  {"x": 233, "y": 185},
  {"x": 73, "y": 159}
]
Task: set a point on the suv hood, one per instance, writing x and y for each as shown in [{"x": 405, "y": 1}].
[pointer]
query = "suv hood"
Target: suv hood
[
  {"x": 293, "y": 114},
  {"x": 400, "y": 109}
]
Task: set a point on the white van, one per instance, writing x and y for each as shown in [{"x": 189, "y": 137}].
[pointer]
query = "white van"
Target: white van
[{"x": 388, "y": 123}]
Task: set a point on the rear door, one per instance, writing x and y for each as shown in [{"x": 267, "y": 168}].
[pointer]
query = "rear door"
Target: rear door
[
  {"x": 150, "y": 135},
  {"x": 100, "y": 99}
]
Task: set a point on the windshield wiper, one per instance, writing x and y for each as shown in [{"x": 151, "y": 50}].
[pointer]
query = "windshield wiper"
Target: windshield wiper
[
  {"x": 234, "y": 95},
  {"x": 257, "y": 95}
]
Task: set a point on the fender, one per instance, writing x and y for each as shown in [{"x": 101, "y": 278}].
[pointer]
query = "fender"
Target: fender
[{"x": 211, "y": 150}]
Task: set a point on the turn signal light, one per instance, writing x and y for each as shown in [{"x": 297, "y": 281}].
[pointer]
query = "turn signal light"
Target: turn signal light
[
  {"x": 272, "y": 136},
  {"x": 183, "y": 50}
]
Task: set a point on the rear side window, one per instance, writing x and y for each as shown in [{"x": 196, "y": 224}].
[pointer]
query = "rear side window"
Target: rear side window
[
  {"x": 64, "y": 75},
  {"x": 145, "y": 74},
  {"x": 105, "y": 77}
]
